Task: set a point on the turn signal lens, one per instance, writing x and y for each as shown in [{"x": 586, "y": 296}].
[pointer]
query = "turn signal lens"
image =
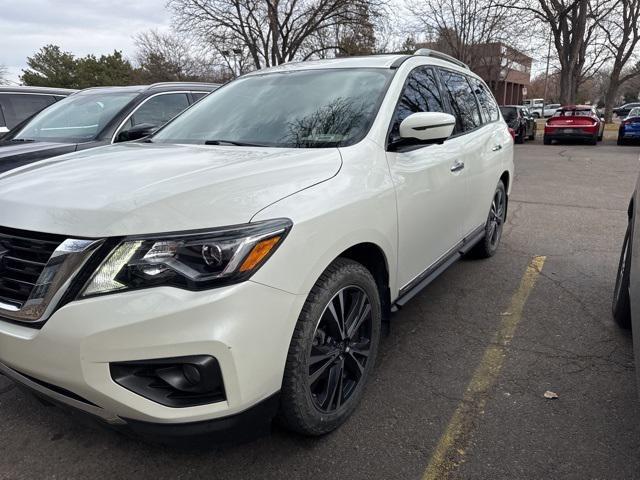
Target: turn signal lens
[{"x": 259, "y": 252}]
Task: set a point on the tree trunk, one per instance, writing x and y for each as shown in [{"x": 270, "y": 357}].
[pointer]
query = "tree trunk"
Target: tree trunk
[{"x": 610, "y": 96}]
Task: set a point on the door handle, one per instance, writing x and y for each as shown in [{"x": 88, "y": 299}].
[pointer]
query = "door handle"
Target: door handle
[
  {"x": 496, "y": 148},
  {"x": 457, "y": 166}
]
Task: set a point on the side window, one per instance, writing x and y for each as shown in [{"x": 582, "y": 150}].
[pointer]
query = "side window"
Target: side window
[
  {"x": 487, "y": 102},
  {"x": 198, "y": 95},
  {"x": 463, "y": 101},
  {"x": 420, "y": 94},
  {"x": 160, "y": 109},
  {"x": 19, "y": 107}
]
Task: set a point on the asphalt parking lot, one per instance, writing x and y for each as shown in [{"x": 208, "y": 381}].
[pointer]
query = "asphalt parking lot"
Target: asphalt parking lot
[{"x": 458, "y": 389}]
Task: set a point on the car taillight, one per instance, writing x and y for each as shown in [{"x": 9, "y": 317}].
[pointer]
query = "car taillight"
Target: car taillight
[{"x": 513, "y": 134}]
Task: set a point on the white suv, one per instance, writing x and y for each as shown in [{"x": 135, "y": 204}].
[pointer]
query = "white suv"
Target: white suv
[{"x": 238, "y": 264}]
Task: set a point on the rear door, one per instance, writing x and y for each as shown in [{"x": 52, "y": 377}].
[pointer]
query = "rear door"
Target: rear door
[{"x": 479, "y": 140}]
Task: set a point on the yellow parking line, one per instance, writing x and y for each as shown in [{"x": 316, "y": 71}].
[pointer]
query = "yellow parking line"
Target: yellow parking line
[{"x": 450, "y": 451}]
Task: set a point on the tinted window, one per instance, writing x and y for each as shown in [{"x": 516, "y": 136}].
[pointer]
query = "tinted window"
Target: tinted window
[
  {"x": 573, "y": 113},
  {"x": 160, "y": 109},
  {"x": 463, "y": 101},
  {"x": 299, "y": 109},
  {"x": 77, "y": 118},
  {"x": 487, "y": 102},
  {"x": 420, "y": 94},
  {"x": 509, "y": 113},
  {"x": 19, "y": 107},
  {"x": 198, "y": 95}
]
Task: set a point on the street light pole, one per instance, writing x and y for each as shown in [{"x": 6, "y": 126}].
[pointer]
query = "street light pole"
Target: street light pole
[{"x": 546, "y": 76}]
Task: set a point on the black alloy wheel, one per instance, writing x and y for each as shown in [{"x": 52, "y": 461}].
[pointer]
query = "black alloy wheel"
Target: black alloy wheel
[
  {"x": 496, "y": 217},
  {"x": 488, "y": 246},
  {"x": 340, "y": 349},
  {"x": 333, "y": 349}
]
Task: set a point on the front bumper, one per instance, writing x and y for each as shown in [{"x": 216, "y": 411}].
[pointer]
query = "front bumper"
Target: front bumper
[{"x": 247, "y": 327}]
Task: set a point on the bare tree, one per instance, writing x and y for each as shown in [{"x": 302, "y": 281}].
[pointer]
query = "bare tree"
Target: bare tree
[
  {"x": 622, "y": 31},
  {"x": 460, "y": 27},
  {"x": 574, "y": 26},
  {"x": 4, "y": 73},
  {"x": 164, "y": 57},
  {"x": 272, "y": 31}
]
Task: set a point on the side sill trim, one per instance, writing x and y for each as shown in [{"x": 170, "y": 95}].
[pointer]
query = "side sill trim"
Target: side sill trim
[{"x": 430, "y": 274}]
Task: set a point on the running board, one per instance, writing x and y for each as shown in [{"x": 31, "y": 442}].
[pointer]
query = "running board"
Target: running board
[{"x": 433, "y": 272}]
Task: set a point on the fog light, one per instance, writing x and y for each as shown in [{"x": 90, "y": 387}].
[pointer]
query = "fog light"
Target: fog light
[{"x": 175, "y": 382}]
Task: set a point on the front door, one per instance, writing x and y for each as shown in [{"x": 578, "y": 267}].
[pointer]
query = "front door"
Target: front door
[{"x": 429, "y": 181}]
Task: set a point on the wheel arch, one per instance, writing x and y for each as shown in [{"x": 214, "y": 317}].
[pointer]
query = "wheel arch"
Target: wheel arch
[
  {"x": 373, "y": 258},
  {"x": 505, "y": 178}
]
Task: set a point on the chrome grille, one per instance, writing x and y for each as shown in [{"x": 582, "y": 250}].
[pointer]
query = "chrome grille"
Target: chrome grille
[{"x": 23, "y": 256}]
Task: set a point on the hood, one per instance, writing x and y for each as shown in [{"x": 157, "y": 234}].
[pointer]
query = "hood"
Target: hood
[
  {"x": 144, "y": 188},
  {"x": 17, "y": 154}
]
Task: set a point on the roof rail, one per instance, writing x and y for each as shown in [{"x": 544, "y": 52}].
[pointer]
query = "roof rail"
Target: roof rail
[
  {"x": 427, "y": 52},
  {"x": 185, "y": 83}
]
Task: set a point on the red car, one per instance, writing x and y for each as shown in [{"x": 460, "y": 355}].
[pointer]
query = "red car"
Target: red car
[{"x": 574, "y": 122}]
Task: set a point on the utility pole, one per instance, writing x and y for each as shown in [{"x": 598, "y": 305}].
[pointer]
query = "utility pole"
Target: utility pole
[{"x": 546, "y": 77}]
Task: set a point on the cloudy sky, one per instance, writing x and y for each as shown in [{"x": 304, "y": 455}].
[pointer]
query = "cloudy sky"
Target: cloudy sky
[{"x": 78, "y": 26}]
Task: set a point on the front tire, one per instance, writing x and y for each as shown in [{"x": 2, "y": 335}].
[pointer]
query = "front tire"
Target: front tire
[
  {"x": 332, "y": 351},
  {"x": 621, "y": 307},
  {"x": 488, "y": 246}
]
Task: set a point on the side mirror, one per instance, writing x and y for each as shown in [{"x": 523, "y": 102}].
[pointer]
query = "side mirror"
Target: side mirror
[
  {"x": 136, "y": 132},
  {"x": 428, "y": 127}
]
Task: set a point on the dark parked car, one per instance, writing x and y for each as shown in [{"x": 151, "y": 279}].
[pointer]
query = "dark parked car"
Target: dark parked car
[
  {"x": 19, "y": 103},
  {"x": 624, "y": 110},
  {"x": 630, "y": 127},
  {"x": 97, "y": 116},
  {"x": 521, "y": 121},
  {"x": 626, "y": 294}
]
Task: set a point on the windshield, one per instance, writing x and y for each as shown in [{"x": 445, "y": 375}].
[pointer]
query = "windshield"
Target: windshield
[
  {"x": 509, "y": 113},
  {"x": 635, "y": 112},
  {"x": 573, "y": 113},
  {"x": 77, "y": 118},
  {"x": 299, "y": 109}
]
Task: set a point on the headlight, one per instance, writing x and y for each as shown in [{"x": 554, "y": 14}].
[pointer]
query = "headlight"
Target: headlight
[{"x": 193, "y": 261}]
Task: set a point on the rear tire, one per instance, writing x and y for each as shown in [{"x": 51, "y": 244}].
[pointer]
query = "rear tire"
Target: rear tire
[
  {"x": 488, "y": 246},
  {"x": 594, "y": 140},
  {"x": 533, "y": 133},
  {"x": 520, "y": 136},
  {"x": 331, "y": 354},
  {"x": 546, "y": 140},
  {"x": 620, "y": 140},
  {"x": 621, "y": 306}
]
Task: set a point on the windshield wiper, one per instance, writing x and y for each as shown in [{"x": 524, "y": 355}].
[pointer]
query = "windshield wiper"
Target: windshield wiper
[{"x": 231, "y": 142}]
